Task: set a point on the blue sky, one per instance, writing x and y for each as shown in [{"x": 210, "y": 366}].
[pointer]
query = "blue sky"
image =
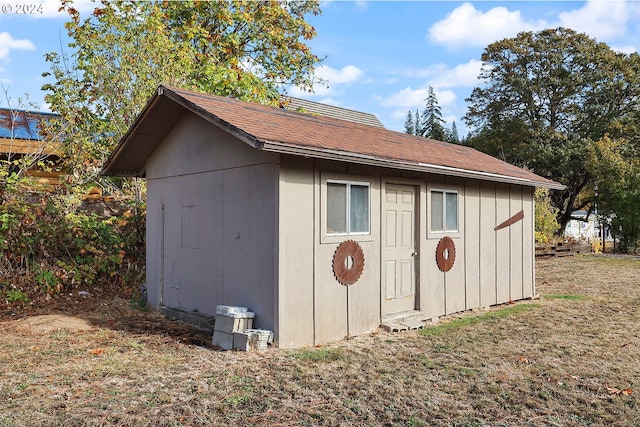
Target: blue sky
[{"x": 381, "y": 56}]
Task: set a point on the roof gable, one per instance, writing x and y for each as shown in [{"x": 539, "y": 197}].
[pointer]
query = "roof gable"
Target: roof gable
[{"x": 283, "y": 131}]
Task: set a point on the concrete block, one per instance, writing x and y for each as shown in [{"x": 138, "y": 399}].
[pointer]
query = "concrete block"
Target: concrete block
[
  {"x": 413, "y": 324},
  {"x": 222, "y": 340},
  {"x": 230, "y": 325},
  {"x": 243, "y": 341},
  {"x": 230, "y": 310},
  {"x": 394, "y": 326}
]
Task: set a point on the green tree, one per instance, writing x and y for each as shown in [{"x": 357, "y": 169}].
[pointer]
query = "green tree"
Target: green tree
[
  {"x": 615, "y": 164},
  {"x": 433, "y": 123},
  {"x": 418, "y": 125},
  {"x": 546, "y": 224},
  {"x": 409, "y": 126},
  {"x": 452, "y": 134},
  {"x": 124, "y": 50},
  {"x": 546, "y": 98}
]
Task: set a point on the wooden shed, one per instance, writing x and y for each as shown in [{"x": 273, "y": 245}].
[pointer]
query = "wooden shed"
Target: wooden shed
[{"x": 324, "y": 228}]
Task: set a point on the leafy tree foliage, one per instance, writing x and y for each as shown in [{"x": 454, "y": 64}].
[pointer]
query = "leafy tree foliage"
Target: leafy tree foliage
[
  {"x": 124, "y": 50},
  {"x": 46, "y": 248},
  {"x": 546, "y": 224},
  {"x": 615, "y": 163},
  {"x": 546, "y": 98}
]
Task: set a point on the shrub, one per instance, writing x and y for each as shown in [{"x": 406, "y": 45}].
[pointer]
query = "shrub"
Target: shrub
[{"x": 47, "y": 246}]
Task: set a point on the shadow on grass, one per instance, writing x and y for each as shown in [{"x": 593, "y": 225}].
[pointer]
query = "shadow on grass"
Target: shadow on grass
[{"x": 109, "y": 311}]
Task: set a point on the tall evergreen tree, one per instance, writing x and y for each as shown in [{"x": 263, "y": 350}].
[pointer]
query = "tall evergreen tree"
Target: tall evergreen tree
[
  {"x": 418, "y": 125},
  {"x": 409, "y": 126},
  {"x": 453, "y": 136},
  {"x": 432, "y": 118}
]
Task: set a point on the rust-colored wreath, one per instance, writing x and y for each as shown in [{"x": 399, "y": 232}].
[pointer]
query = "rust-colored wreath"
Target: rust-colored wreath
[
  {"x": 445, "y": 253},
  {"x": 348, "y": 274}
]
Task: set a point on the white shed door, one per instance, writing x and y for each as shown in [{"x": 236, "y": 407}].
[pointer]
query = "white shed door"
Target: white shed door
[{"x": 398, "y": 249}]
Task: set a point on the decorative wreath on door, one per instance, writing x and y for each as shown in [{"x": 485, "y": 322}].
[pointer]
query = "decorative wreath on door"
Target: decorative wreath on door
[
  {"x": 445, "y": 253},
  {"x": 348, "y": 262}
]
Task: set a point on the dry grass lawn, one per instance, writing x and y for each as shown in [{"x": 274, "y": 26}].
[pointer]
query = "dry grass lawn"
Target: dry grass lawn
[{"x": 571, "y": 358}]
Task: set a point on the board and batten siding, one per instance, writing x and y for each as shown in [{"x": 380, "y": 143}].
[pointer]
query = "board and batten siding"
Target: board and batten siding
[
  {"x": 211, "y": 228},
  {"x": 492, "y": 266}
]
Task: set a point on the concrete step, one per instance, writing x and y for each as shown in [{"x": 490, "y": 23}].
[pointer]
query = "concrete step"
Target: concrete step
[{"x": 405, "y": 321}]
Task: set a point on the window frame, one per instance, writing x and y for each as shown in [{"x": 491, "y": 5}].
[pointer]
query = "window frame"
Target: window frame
[
  {"x": 348, "y": 183},
  {"x": 444, "y": 190}
]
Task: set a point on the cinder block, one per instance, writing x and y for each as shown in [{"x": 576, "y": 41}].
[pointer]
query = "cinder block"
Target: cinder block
[
  {"x": 243, "y": 341},
  {"x": 230, "y": 325},
  {"x": 222, "y": 340},
  {"x": 252, "y": 339}
]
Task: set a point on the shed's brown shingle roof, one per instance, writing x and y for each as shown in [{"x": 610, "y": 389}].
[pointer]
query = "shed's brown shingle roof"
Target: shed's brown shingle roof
[{"x": 279, "y": 130}]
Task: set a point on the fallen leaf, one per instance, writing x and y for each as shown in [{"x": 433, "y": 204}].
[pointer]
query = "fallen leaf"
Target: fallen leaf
[
  {"x": 96, "y": 351},
  {"x": 617, "y": 391}
]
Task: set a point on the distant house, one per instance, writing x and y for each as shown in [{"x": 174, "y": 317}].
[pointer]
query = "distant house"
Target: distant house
[
  {"x": 324, "y": 228},
  {"x": 20, "y": 136},
  {"x": 584, "y": 228}
]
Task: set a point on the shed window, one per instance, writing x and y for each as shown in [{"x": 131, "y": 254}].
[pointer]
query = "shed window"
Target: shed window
[
  {"x": 444, "y": 211},
  {"x": 347, "y": 207}
]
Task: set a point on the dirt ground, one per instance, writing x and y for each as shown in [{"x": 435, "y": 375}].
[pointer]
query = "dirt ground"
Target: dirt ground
[{"x": 570, "y": 358}]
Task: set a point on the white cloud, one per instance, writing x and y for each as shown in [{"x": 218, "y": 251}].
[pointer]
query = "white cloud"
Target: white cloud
[
  {"x": 600, "y": 19},
  {"x": 465, "y": 74},
  {"x": 415, "y": 98},
  {"x": 347, "y": 74},
  {"x": 406, "y": 97},
  {"x": 334, "y": 79},
  {"x": 467, "y": 26},
  {"x": 442, "y": 76},
  {"x": 446, "y": 98},
  {"x": 470, "y": 27},
  {"x": 330, "y": 101},
  {"x": 51, "y": 8},
  {"x": 8, "y": 43},
  {"x": 625, "y": 49}
]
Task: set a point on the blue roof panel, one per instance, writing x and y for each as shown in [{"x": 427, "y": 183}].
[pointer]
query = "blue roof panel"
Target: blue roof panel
[{"x": 20, "y": 124}]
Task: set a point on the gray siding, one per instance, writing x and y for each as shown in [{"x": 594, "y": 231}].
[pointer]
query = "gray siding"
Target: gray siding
[
  {"x": 212, "y": 204},
  {"x": 491, "y": 267},
  {"x": 228, "y": 224}
]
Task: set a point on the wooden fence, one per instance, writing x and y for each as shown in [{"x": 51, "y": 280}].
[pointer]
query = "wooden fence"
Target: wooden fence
[{"x": 562, "y": 249}]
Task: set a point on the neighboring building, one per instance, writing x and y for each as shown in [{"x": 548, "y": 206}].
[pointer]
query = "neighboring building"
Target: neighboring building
[
  {"x": 583, "y": 228},
  {"x": 318, "y": 109},
  {"x": 324, "y": 228},
  {"x": 20, "y": 136}
]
